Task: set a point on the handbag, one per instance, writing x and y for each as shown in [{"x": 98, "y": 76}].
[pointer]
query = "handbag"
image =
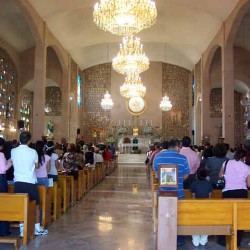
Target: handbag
[{"x": 221, "y": 182}]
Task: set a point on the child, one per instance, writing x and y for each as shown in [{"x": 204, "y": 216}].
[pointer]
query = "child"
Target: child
[{"x": 201, "y": 188}]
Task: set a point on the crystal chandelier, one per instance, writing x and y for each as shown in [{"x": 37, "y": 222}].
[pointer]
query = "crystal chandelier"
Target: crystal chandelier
[
  {"x": 165, "y": 104},
  {"x": 133, "y": 87},
  {"x": 107, "y": 102},
  {"x": 130, "y": 58},
  {"x": 124, "y": 17}
]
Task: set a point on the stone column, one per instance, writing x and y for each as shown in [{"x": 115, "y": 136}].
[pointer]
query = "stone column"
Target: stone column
[
  {"x": 228, "y": 94},
  {"x": 39, "y": 92},
  {"x": 205, "y": 103},
  {"x": 65, "y": 120}
]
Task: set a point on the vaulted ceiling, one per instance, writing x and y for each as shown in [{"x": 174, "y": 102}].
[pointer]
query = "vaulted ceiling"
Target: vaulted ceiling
[{"x": 183, "y": 30}]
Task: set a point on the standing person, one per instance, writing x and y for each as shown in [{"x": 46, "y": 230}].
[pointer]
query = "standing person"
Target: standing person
[
  {"x": 54, "y": 163},
  {"x": 193, "y": 160},
  {"x": 237, "y": 176},
  {"x": 113, "y": 150},
  {"x": 214, "y": 163},
  {"x": 43, "y": 166},
  {"x": 25, "y": 160},
  {"x": 4, "y": 166},
  {"x": 201, "y": 188},
  {"x": 172, "y": 156}
]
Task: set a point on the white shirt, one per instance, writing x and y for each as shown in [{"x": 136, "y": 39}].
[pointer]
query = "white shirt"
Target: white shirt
[
  {"x": 98, "y": 158},
  {"x": 53, "y": 158},
  {"x": 24, "y": 159}
]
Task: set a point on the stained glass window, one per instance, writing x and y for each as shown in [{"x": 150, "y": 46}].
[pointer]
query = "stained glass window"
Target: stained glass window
[
  {"x": 79, "y": 90},
  {"x": 8, "y": 85}
]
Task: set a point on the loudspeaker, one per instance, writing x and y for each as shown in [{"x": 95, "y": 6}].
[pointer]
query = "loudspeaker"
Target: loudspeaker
[
  {"x": 192, "y": 132},
  {"x": 20, "y": 124},
  {"x": 78, "y": 131}
]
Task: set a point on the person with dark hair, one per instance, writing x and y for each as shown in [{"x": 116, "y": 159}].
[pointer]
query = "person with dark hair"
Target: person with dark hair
[
  {"x": 237, "y": 177},
  {"x": 172, "y": 156},
  {"x": 208, "y": 152},
  {"x": 247, "y": 148},
  {"x": 201, "y": 188},
  {"x": 214, "y": 163},
  {"x": 70, "y": 161},
  {"x": 154, "y": 153},
  {"x": 43, "y": 166},
  {"x": 229, "y": 155},
  {"x": 25, "y": 160},
  {"x": 4, "y": 166},
  {"x": 54, "y": 164},
  {"x": 193, "y": 160}
]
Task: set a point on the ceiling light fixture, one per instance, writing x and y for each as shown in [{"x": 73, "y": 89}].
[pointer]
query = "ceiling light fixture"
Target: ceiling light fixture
[
  {"x": 130, "y": 58},
  {"x": 124, "y": 17}
]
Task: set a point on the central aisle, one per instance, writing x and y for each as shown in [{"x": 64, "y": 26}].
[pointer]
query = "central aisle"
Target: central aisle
[{"x": 116, "y": 215}]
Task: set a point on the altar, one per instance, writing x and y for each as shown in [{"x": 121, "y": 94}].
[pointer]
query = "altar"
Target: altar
[{"x": 126, "y": 145}]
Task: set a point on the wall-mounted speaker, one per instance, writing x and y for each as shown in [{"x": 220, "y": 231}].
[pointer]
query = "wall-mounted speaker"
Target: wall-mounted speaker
[
  {"x": 78, "y": 131},
  {"x": 192, "y": 132},
  {"x": 20, "y": 124}
]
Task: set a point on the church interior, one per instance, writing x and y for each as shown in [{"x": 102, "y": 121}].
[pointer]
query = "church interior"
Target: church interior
[{"x": 63, "y": 75}]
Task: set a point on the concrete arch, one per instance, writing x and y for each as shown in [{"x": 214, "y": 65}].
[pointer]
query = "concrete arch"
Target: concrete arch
[
  {"x": 60, "y": 56},
  {"x": 235, "y": 23},
  {"x": 33, "y": 20},
  {"x": 209, "y": 59}
]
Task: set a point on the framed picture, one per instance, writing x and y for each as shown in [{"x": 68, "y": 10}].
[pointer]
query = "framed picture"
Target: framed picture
[{"x": 168, "y": 175}]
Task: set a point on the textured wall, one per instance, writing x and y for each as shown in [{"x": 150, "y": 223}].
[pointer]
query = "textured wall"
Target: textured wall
[
  {"x": 216, "y": 112},
  {"x": 216, "y": 103},
  {"x": 97, "y": 80},
  {"x": 53, "y": 100},
  {"x": 176, "y": 83}
]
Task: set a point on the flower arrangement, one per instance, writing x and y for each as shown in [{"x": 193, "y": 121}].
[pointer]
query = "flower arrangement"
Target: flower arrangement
[
  {"x": 122, "y": 130},
  {"x": 110, "y": 140},
  {"x": 148, "y": 130}
]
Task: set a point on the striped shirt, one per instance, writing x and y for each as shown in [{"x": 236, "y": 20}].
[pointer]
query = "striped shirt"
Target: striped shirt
[{"x": 172, "y": 157}]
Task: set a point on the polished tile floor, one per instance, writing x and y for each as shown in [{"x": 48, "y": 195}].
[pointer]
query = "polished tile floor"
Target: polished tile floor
[{"x": 116, "y": 215}]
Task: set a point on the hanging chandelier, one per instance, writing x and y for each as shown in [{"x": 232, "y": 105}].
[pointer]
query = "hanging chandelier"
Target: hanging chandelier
[
  {"x": 107, "y": 102},
  {"x": 133, "y": 87},
  {"x": 165, "y": 104},
  {"x": 124, "y": 17},
  {"x": 130, "y": 58}
]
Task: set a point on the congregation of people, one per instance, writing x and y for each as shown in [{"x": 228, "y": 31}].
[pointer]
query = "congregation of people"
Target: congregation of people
[
  {"x": 27, "y": 164},
  {"x": 200, "y": 170}
]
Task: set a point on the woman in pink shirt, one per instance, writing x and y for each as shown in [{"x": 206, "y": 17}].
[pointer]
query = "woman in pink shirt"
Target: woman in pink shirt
[
  {"x": 4, "y": 166},
  {"x": 237, "y": 176},
  {"x": 44, "y": 165}
]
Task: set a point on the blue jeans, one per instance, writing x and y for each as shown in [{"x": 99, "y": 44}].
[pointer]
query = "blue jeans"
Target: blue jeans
[{"x": 44, "y": 181}]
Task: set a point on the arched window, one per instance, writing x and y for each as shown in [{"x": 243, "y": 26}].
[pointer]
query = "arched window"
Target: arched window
[
  {"x": 79, "y": 90},
  {"x": 8, "y": 88}
]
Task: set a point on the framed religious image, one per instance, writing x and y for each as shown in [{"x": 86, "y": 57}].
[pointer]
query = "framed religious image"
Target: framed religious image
[{"x": 168, "y": 175}]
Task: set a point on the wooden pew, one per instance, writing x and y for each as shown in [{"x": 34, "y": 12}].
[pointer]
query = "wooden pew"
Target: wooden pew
[
  {"x": 45, "y": 205},
  {"x": 56, "y": 200},
  {"x": 17, "y": 207},
  {"x": 65, "y": 187},
  {"x": 80, "y": 184},
  {"x": 44, "y": 198}
]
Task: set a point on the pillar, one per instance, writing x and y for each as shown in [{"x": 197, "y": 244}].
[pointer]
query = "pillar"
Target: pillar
[
  {"x": 205, "y": 103},
  {"x": 228, "y": 94},
  {"x": 39, "y": 92}
]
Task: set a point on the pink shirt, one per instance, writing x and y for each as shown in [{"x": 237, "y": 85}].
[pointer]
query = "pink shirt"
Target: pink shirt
[
  {"x": 236, "y": 175},
  {"x": 4, "y": 165},
  {"x": 192, "y": 157},
  {"x": 155, "y": 152},
  {"x": 41, "y": 172}
]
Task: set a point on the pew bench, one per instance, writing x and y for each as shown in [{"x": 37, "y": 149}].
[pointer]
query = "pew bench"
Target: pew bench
[
  {"x": 56, "y": 200},
  {"x": 65, "y": 187},
  {"x": 17, "y": 207}
]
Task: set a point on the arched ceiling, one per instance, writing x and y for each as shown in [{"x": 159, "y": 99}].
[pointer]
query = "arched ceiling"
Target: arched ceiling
[
  {"x": 14, "y": 29},
  {"x": 186, "y": 26}
]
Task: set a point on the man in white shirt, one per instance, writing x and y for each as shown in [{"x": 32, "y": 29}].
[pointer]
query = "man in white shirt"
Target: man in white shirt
[{"x": 25, "y": 160}]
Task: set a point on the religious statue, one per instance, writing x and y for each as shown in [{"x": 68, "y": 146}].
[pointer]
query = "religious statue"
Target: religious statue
[{"x": 50, "y": 129}]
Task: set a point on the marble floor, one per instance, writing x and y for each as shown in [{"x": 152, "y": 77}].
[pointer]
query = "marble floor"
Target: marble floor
[{"x": 116, "y": 215}]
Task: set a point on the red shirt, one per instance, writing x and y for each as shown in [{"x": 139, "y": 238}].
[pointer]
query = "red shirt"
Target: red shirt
[{"x": 107, "y": 155}]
